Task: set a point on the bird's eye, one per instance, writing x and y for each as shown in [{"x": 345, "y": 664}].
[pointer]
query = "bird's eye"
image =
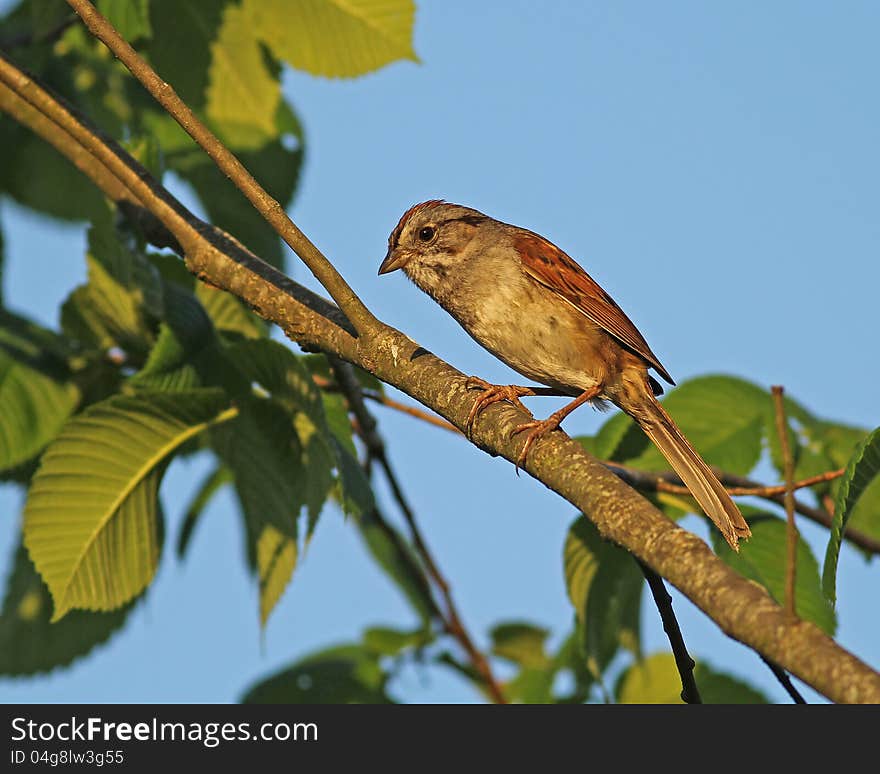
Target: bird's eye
[{"x": 426, "y": 234}]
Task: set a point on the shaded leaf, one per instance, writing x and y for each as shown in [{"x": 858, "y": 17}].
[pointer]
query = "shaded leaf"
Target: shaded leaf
[
  {"x": 335, "y": 38},
  {"x": 860, "y": 472},
  {"x": 346, "y": 674},
  {"x": 356, "y": 492},
  {"x": 181, "y": 48},
  {"x": 262, "y": 450},
  {"x": 763, "y": 560},
  {"x": 33, "y": 408},
  {"x": 27, "y": 162},
  {"x": 522, "y": 643},
  {"x": 131, "y": 18},
  {"x": 29, "y": 643},
  {"x": 91, "y": 515},
  {"x": 721, "y": 688},
  {"x": 604, "y": 585}
]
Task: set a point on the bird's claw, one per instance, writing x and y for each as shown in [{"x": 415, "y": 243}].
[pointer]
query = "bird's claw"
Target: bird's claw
[
  {"x": 492, "y": 393},
  {"x": 537, "y": 428}
]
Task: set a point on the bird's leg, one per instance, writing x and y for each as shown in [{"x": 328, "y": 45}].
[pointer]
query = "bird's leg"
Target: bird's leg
[
  {"x": 493, "y": 393},
  {"x": 538, "y": 428}
]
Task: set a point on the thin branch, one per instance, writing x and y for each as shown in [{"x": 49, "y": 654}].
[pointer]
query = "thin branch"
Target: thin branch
[
  {"x": 650, "y": 481},
  {"x": 269, "y": 208},
  {"x": 791, "y": 532},
  {"x": 739, "y": 607},
  {"x": 690, "y": 694},
  {"x": 785, "y": 681},
  {"x": 375, "y": 444}
]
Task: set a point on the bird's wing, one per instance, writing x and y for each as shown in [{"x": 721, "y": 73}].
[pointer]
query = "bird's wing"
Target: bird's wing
[{"x": 551, "y": 267}]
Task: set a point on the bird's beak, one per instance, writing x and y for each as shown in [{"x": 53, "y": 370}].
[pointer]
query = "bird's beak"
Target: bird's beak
[{"x": 392, "y": 261}]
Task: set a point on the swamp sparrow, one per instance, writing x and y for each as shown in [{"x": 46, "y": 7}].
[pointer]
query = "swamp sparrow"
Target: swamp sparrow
[{"x": 537, "y": 310}]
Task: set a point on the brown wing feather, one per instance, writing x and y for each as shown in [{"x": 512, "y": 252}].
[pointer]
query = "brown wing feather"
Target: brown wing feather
[{"x": 548, "y": 265}]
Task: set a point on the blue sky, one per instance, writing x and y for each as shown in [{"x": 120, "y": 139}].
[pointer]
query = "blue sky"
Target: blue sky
[{"x": 714, "y": 166}]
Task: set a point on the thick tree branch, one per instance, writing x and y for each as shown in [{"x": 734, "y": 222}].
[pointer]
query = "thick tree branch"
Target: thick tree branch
[
  {"x": 741, "y": 608},
  {"x": 268, "y": 207}
]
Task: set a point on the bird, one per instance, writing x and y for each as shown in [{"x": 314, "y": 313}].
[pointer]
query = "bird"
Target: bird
[{"x": 537, "y": 310}]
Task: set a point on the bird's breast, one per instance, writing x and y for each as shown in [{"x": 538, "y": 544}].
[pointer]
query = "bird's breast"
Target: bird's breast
[{"x": 534, "y": 332}]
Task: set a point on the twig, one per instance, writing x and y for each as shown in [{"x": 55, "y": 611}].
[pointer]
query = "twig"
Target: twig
[
  {"x": 689, "y": 692},
  {"x": 780, "y": 674},
  {"x": 791, "y": 534},
  {"x": 377, "y": 397},
  {"x": 367, "y": 426},
  {"x": 273, "y": 213},
  {"x": 650, "y": 481}
]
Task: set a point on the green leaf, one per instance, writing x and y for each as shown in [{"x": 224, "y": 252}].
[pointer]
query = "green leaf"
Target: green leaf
[
  {"x": 721, "y": 688},
  {"x": 262, "y": 449},
  {"x": 860, "y": 472},
  {"x": 277, "y": 370},
  {"x": 131, "y": 18},
  {"x": 242, "y": 94},
  {"x": 181, "y": 48},
  {"x": 184, "y": 348},
  {"x": 229, "y": 314},
  {"x": 91, "y": 518},
  {"x": 723, "y": 417},
  {"x": 357, "y": 494},
  {"x": 763, "y": 560},
  {"x": 29, "y": 643},
  {"x": 121, "y": 299},
  {"x": 604, "y": 585},
  {"x": 33, "y": 407},
  {"x": 384, "y": 641},
  {"x": 211, "y": 484},
  {"x": 27, "y": 163},
  {"x": 655, "y": 680},
  {"x": 522, "y": 643},
  {"x": 345, "y": 674},
  {"x": 335, "y": 38},
  {"x": 276, "y": 561}
]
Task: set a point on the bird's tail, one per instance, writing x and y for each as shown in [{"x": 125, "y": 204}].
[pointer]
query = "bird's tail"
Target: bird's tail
[{"x": 689, "y": 466}]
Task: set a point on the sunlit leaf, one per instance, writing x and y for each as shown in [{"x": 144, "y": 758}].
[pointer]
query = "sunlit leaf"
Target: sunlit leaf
[
  {"x": 346, "y": 674},
  {"x": 335, "y": 38},
  {"x": 656, "y": 680},
  {"x": 90, "y": 521},
  {"x": 276, "y": 561},
  {"x": 242, "y": 94}
]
